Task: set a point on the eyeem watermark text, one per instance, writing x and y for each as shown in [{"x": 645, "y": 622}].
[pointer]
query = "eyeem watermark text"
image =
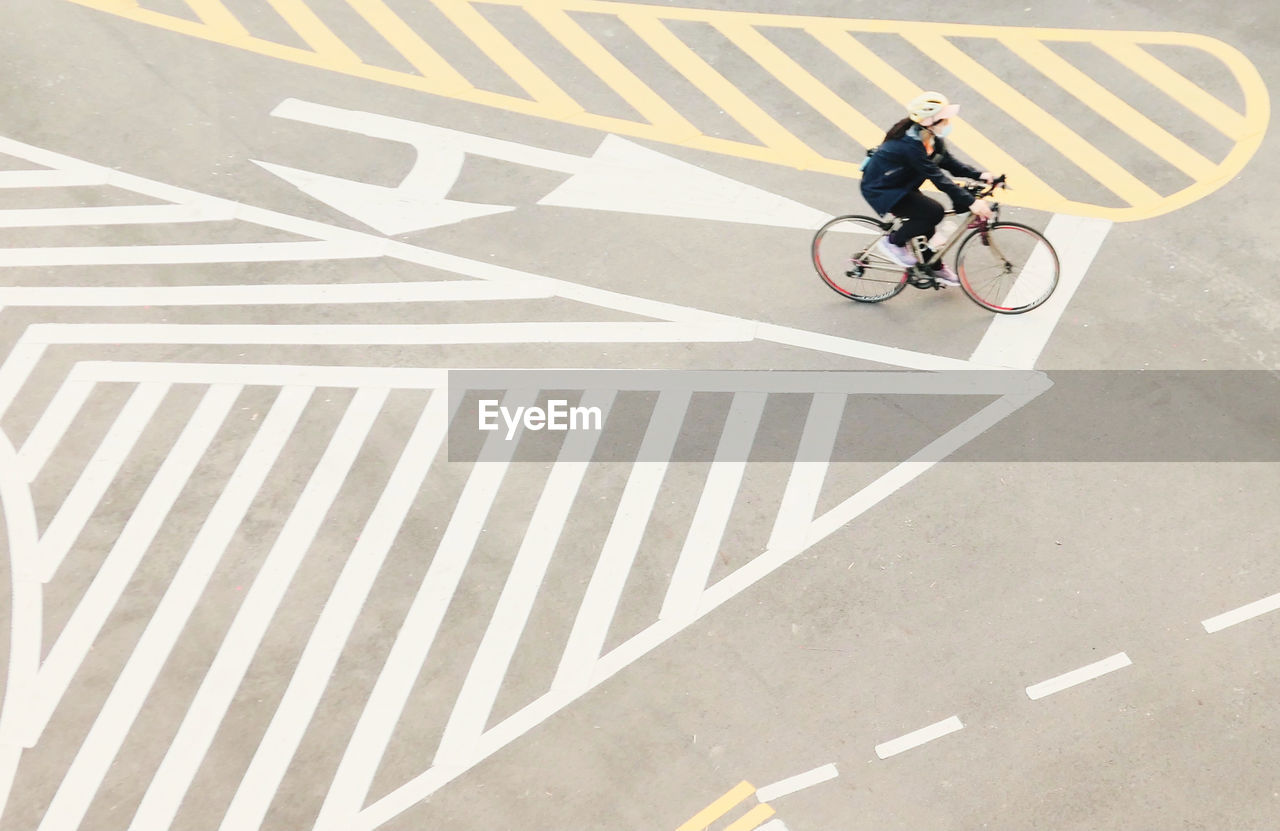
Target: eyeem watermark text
[
  {"x": 863, "y": 416},
  {"x": 556, "y": 416}
]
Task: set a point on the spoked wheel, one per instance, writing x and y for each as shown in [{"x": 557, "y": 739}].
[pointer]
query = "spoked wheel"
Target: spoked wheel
[
  {"x": 1007, "y": 267},
  {"x": 845, "y": 256}
]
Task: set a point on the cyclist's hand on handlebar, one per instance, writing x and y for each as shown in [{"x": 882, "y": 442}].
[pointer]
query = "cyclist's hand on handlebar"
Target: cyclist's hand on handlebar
[
  {"x": 987, "y": 176},
  {"x": 981, "y": 208}
]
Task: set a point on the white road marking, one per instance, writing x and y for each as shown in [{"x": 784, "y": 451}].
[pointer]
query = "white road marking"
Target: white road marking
[
  {"x": 1078, "y": 676},
  {"x": 97, "y": 476},
  {"x": 52, "y": 426},
  {"x": 919, "y": 737},
  {"x": 17, "y": 367},
  {"x": 1017, "y": 340},
  {"x": 348, "y": 243},
  {"x": 227, "y": 671},
  {"x": 26, "y": 615},
  {"x": 452, "y": 291},
  {"x": 293, "y": 715},
  {"x": 830, "y": 344},
  {"x": 118, "y": 713},
  {"x": 384, "y": 708},
  {"x": 51, "y": 178},
  {"x": 797, "y": 783},
  {"x": 719, "y": 493},
  {"x": 115, "y": 215},
  {"x": 525, "y": 720},
  {"x": 414, "y": 205},
  {"x": 625, "y": 176},
  {"x": 360, "y": 334},
  {"x": 266, "y": 375},
  {"x": 386, "y": 702},
  {"x": 599, "y": 604},
  {"x": 834, "y": 345},
  {"x": 498, "y": 644},
  {"x": 1241, "y": 614},
  {"x": 219, "y": 252},
  {"x": 112, "y": 578},
  {"x": 800, "y": 499},
  {"x": 906, "y": 471},
  {"x": 1017, "y": 391},
  {"x": 619, "y": 176}
]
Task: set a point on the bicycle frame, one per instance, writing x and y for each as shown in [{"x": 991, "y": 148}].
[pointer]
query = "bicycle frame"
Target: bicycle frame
[{"x": 941, "y": 252}]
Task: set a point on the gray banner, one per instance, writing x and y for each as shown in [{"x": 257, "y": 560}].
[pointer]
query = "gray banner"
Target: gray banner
[{"x": 763, "y": 416}]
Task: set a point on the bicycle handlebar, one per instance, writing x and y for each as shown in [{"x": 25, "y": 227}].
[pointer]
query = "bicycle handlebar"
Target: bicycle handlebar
[{"x": 981, "y": 190}]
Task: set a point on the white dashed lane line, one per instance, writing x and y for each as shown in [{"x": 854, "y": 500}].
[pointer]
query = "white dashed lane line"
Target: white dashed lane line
[
  {"x": 918, "y": 737},
  {"x": 1246, "y": 612},
  {"x": 798, "y": 782},
  {"x": 1078, "y": 676}
]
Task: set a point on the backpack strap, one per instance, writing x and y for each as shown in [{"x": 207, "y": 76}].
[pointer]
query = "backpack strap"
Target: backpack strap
[{"x": 871, "y": 151}]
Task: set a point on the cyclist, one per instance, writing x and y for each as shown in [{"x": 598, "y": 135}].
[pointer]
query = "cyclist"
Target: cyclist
[{"x": 913, "y": 151}]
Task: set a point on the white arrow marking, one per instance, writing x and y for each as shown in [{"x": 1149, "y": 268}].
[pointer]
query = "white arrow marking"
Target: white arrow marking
[
  {"x": 413, "y": 206},
  {"x": 619, "y": 176},
  {"x": 623, "y": 176}
]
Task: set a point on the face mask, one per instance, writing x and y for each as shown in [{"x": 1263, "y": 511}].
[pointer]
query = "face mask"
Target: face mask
[{"x": 944, "y": 132}]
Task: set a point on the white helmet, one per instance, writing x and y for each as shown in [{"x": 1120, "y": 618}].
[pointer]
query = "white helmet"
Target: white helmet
[{"x": 930, "y": 107}]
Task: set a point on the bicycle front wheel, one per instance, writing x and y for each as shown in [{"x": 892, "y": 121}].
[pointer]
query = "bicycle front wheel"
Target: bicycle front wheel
[
  {"x": 1007, "y": 267},
  {"x": 845, "y": 255}
]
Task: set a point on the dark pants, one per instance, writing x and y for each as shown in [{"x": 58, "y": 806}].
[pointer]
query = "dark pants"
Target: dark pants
[{"x": 921, "y": 216}]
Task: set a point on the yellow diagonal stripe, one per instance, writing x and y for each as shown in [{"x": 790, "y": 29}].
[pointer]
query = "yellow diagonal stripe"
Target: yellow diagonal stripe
[
  {"x": 612, "y": 71},
  {"x": 313, "y": 31},
  {"x": 798, "y": 80},
  {"x": 1229, "y": 122},
  {"x": 965, "y": 136},
  {"x": 717, "y": 809},
  {"x": 666, "y": 121},
  {"x": 216, "y": 16},
  {"x": 751, "y": 819},
  {"x": 702, "y": 75},
  {"x": 1089, "y": 158},
  {"x": 408, "y": 43},
  {"x": 1111, "y": 107},
  {"x": 508, "y": 58}
]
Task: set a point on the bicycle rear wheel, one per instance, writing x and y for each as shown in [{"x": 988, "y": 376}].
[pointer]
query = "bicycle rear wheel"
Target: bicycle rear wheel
[
  {"x": 1007, "y": 267},
  {"x": 844, "y": 255}
]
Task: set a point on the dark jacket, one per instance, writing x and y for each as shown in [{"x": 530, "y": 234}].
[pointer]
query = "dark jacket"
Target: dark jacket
[{"x": 900, "y": 166}]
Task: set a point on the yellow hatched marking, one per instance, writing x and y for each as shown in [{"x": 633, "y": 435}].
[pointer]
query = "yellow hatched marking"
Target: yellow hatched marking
[
  {"x": 1229, "y": 122},
  {"x": 407, "y": 42},
  {"x": 1248, "y": 130},
  {"x": 612, "y": 71},
  {"x": 731, "y": 99},
  {"x": 216, "y": 16},
  {"x": 751, "y": 818},
  {"x": 508, "y": 58},
  {"x": 856, "y": 125},
  {"x": 1089, "y": 158},
  {"x": 965, "y": 136},
  {"x": 313, "y": 31},
  {"x": 1111, "y": 107},
  {"x": 717, "y": 809}
]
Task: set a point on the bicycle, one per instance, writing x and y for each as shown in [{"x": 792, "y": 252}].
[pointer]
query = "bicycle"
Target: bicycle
[{"x": 1004, "y": 267}]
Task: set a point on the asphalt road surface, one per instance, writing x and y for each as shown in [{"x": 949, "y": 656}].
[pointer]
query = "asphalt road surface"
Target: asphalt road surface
[{"x": 257, "y": 582}]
